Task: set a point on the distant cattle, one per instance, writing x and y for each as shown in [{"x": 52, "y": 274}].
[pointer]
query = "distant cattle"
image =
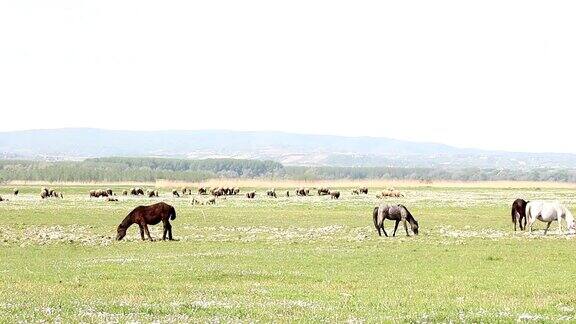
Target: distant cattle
[
  {"x": 363, "y": 190},
  {"x": 287, "y": 193},
  {"x": 271, "y": 193},
  {"x": 323, "y": 191},
  {"x": 251, "y": 195},
  {"x": 16, "y": 191},
  {"x": 211, "y": 201},
  {"x": 202, "y": 191},
  {"x": 391, "y": 192},
  {"x": 302, "y": 192},
  {"x": 47, "y": 193},
  {"x": 217, "y": 192},
  {"x": 2, "y": 199},
  {"x": 111, "y": 199},
  {"x": 355, "y": 192},
  {"x": 335, "y": 194},
  {"x": 99, "y": 193},
  {"x": 175, "y": 193},
  {"x": 125, "y": 192}
]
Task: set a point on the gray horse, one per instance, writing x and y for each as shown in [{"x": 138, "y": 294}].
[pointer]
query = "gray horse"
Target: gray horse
[{"x": 394, "y": 212}]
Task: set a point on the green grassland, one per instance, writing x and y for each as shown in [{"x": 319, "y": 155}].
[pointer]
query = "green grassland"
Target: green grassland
[{"x": 287, "y": 259}]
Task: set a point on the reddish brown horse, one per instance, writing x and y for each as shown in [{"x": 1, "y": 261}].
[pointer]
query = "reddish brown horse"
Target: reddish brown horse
[
  {"x": 519, "y": 213},
  {"x": 149, "y": 215}
]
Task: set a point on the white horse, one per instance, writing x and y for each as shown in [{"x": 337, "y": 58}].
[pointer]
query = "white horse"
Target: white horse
[{"x": 548, "y": 212}]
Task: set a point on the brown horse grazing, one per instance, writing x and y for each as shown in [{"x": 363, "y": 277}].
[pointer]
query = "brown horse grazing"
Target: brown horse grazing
[
  {"x": 394, "y": 212},
  {"x": 519, "y": 213},
  {"x": 149, "y": 215}
]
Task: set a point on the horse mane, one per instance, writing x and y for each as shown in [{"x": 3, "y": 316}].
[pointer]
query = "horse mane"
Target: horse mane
[
  {"x": 127, "y": 220},
  {"x": 409, "y": 216}
]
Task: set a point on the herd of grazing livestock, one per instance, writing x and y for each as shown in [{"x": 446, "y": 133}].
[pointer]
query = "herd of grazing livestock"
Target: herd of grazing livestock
[{"x": 109, "y": 195}]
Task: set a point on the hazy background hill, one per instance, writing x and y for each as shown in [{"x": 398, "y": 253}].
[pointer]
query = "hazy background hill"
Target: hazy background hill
[{"x": 286, "y": 148}]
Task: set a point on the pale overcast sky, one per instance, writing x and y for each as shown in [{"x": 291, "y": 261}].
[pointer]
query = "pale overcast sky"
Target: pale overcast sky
[{"x": 487, "y": 74}]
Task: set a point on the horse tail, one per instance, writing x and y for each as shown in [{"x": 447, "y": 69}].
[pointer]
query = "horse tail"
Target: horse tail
[
  {"x": 173, "y": 214},
  {"x": 375, "y": 216},
  {"x": 514, "y": 213},
  {"x": 527, "y": 212}
]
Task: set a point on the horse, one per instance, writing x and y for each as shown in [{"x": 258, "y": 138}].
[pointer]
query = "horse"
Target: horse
[
  {"x": 519, "y": 213},
  {"x": 548, "y": 212},
  {"x": 394, "y": 212},
  {"x": 149, "y": 215}
]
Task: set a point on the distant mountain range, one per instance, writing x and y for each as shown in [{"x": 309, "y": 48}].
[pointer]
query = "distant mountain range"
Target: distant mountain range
[{"x": 287, "y": 148}]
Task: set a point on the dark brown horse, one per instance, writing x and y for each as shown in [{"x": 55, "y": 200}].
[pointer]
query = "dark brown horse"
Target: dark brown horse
[
  {"x": 149, "y": 215},
  {"x": 519, "y": 213},
  {"x": 394, "y": 212}
]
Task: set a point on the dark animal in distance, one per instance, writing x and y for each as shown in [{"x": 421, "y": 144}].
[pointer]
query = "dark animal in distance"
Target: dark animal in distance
[
  {"x": 302, "y": 192},
  {"x": 149, "y": 215},
  {"x": 175, "y": 193},
  {"x": 363, "y": 190},
  {"x": 519, "y": 213},
  {"x": 355, "y": 192},
  {"x": 335, "y": 195},
  {"x": 323, "y": 191},
  {"x": 46, "y": 193},
  {"x": 202, "y": 191},
  {"x": 16, "y": 191},
  {"x": 271, "y": 193},
  {"x": 2, "y": 199},
  {"x": 394, "y": 212},
  {"x": 251, "y": 195}
]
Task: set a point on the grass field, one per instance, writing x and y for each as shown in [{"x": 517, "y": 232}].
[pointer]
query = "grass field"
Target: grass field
[{"x": 287, "y": 259}]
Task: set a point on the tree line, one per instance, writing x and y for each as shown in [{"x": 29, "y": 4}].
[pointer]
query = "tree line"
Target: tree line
[{"x": 152, "y": 169}]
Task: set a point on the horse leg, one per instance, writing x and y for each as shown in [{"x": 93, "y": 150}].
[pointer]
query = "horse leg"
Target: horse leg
[
  {"x": 547, "y": 227},
  {"x": 164, "y": 232},
  {"x": 383, "y": 230},
  {"x": 405, "y": 227},
  {"x": 167, "y": 230},
  {"x": 141, "y": 231},
  {"x": 396, "y": 227},
  {"x": 560, "y": 225},
  {"x": 147, "y": 232},
  {"x": 530, "y": 223},
  {"x": 514, "y": 221}
]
